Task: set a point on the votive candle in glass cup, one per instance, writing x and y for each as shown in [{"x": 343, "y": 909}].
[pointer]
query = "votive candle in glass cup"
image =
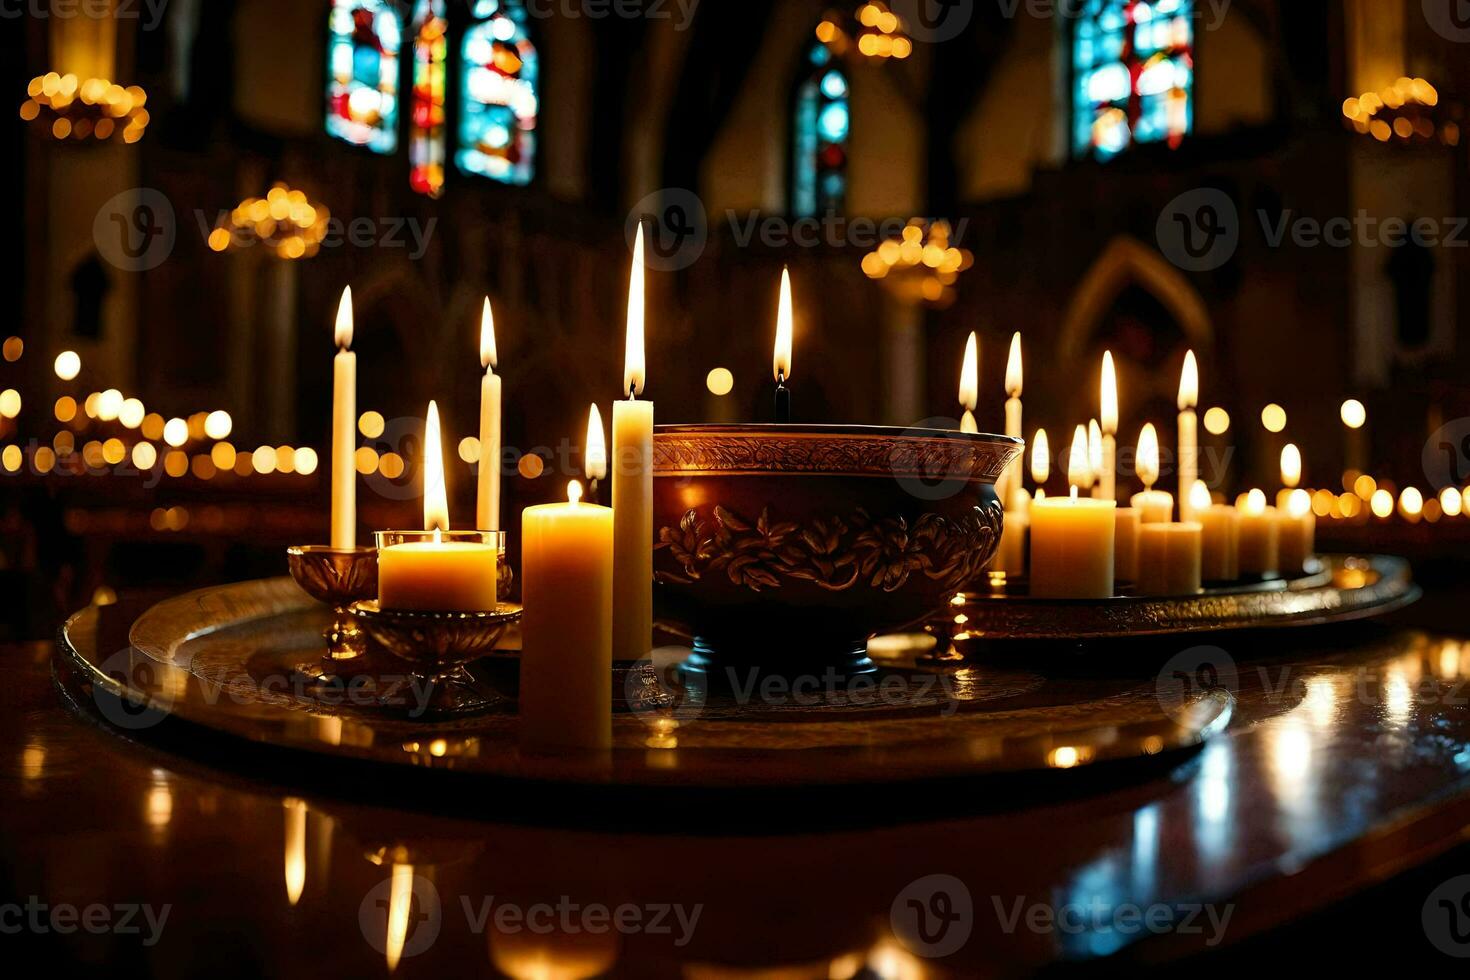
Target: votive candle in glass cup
[{"x": 439, "y": 571}]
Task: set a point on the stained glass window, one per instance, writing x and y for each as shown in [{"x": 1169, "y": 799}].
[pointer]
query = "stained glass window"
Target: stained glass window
[
  {"x": 497, "y": 131},
  {"x": 426, "y": 125},
  {"x": 819, "y": 127},
  {"x": 364, "y": 37},
  {"x": 1133, "y": 74}
]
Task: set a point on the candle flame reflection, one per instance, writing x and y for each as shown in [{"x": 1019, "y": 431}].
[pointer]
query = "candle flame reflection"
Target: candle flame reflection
[
  {"x": 633, "y": 364},
  {"x": 1148, "y": 456},
  {"x": 295, "y": 849},
  {"x": 344, "y": 320},
  {"x": 488, "y": 358},
  {"x": 1109, "y": 395},
  {"x": 1013, "y": 368},
  {"x": 781, "y": 361},
  {"x": 1189, "y": 384},
  {"x": 596, "y": 453},
  {"x": 400, "y": 900},
  {"x": 436, "y": 502}
]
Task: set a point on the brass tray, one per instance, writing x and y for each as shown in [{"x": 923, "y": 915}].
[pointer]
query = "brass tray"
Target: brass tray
[
  {"x": 220, "y": 659},
  {"x": 1339, "y": 588}
]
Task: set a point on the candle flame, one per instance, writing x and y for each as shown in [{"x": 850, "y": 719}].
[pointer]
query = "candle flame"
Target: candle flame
[
  {"x": 1255, "y": 503},
  {"x": 1148, "y": 456},
  {"x": 781, "y": 361},
  {"x": 1013, "y": 367},
  {"x": 574, "y": 492},
  {"x": 596, "y": 457},
  {"x": 1109, "y": 395},
  {"x": 1298, "y": 503},
  {"x": 1199, "y": 497},
  {"x": 633, "y": 366},
  {"x": 488, "y": 359},
  {"x": 1189, "y": 384},
  {"x": 436, "y": 501},
  {"x": 1291, "y": 466},
  {"x": 344, "y": 320},
  {"x": 1079, "y": 473},
  {"x": 970, "y": 375},
  {"x": 1040, "y": 458},
  {"x": 1094, "y": 449}
]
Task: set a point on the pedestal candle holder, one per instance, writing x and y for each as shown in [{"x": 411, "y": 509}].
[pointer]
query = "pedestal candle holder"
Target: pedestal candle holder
[{"x": 337, "y": 577}]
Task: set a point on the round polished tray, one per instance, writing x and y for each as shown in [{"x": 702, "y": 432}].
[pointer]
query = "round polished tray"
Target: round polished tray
[
  {"x": 221, "y": 659},
  {"x": 1337, "y": 588}
]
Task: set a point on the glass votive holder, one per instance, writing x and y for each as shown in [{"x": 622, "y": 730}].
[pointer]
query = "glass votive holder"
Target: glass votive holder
[{"x": 440, "y": 571}]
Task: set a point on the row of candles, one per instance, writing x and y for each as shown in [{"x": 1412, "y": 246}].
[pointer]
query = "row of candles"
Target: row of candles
[{"x": 1078, "y": 547}]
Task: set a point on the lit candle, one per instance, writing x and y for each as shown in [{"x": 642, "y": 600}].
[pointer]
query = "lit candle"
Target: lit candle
[
  {"x": 1154, "y": 506},
  {"x": 1220, "y": 542},
  {"x": 1108, "y": 478},
  {"x": 344, "y": 431},
  {"x": 487, "y": 509},
  {"x": 437, "y": 575},
  {"x": 1012, "y": 475},
  {"x": 781, "y": 358},
  {"x": 1040, "y": 462},
  {"x": 594, "y": 460},
  {"x": 567, "y": 587},
  {"x": 1296, "y": 533},
  {"x": 1188, "y": 433},
  {"x": 1260, "y": 537},
  {"x": 632, "y": 492},
  {"x": 1291, "y": 472},
  {"x": 1072, "y": 538},
  {"x": 970, "y": 384},
  {"x": 1095, "y": 456},
  {"x": 1169, "y": 558}
]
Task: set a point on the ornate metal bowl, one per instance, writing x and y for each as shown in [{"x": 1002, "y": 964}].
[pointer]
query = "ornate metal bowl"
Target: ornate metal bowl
[
  {"x": 784, "y": 547},
  {"x": 337, "y": 577}
]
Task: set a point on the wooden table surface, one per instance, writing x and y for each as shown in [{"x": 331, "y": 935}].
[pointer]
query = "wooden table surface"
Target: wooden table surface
[{"x": 1347, "y": 762}]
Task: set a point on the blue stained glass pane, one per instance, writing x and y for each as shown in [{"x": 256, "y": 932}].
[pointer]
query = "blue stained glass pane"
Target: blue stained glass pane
[
  {"x": 363, "y": 42},
  {"x": 501, "y": 107},
  {"x": 834, "y": 86},
  {"x": 1124, "y": 92},
  {"x": 820, "y": 123},
  {"x": 832, "y": 124}
]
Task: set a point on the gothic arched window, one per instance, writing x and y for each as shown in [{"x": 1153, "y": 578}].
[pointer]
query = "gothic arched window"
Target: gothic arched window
[
  {"x": 820, "y": 122},
  {"x": 499, "y": 94},
  {"x": 1133, "y": 75},
  {"x": 426, "y": 139},
  {"x": 363, "y": 41}
]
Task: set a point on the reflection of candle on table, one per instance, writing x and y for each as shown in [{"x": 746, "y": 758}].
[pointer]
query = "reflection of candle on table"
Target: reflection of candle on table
[
  {"x": 1260, "y": 540},
  {"x": 1296, "y": 532},
  {"x": 970, "y": 384},
  {"x": 487, "y": 500},
  {"x": 567, "y": 627},
  {"x": 1220, "y": 524},
  {"x": 1154, "y": 506},
  {"x": 435, "y": 575},
  {"x": 781, "y": 360},
  {"x": 1108, "y": 478},
  {"x": 1072, "y": 538},
  {"x": 632, "y": 492},
  {"x": 1188, "y": 434},
  {"x": 1169, "y": 559},
  {"x": 344, "y": 431}
]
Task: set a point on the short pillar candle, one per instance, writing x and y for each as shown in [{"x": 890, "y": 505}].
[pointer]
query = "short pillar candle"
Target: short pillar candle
[{"x": 1169, "y": 557}]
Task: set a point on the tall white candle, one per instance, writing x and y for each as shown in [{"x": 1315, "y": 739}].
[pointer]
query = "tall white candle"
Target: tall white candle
[
  {"x": 1108, "y": 478},
  {"x": 344, "y": 429},
  {"x": 632, "y": 492},
  {"x": 970, "y": 384},
  {"x": 1188, "y": 434},
  {"x": 487, "y": 500}
]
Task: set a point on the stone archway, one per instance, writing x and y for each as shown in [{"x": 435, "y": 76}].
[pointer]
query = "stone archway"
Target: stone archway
[{"x": 1126, "y": 262}]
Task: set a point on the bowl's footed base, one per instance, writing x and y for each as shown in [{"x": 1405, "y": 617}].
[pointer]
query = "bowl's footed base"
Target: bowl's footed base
[{"x": 738, "y": 662}]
